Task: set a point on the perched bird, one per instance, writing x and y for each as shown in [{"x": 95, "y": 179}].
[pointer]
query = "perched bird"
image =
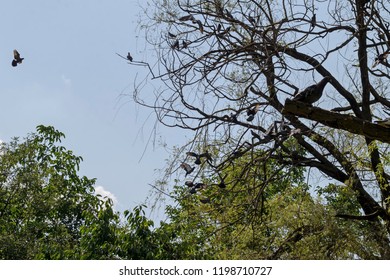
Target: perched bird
[
  {"x": 312, "y": 93},
  {"x": 129, "y": 57},
  {"x": 176, "y": 45},
  {"x": 313, "y": 21},
  {"x": 380, "y": 58},
  {"x": 200, "y": 186},
  {"x": 385, "y": 122},
  {"x": 250, "y": 118},
  {"x": 189, "y": 184},
  {"x": 188, "y": 17},
  {"x": 188, "y": 169},
  {"x": 228, "y": 13},
  {"x": 222, "y": 184},
  {"x": 199, "y": 156},
  {"x": 205, "y": 200},
  {"x": 17, "y": 59},
  {"x": 255, "y": 135},
  {"x": 200, "y": 25},
  {"x": 171, "y": 35}
]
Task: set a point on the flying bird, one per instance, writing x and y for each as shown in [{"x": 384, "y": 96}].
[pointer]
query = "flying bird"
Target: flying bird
[
  {"x": 199, "y": 156},
  {"x": 188, "y": 169},
  {"x": 17, "y": 59},
  {"x": 312, "y": 93}
]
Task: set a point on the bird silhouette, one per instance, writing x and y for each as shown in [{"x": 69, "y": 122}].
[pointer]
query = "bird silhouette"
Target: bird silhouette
[
  {"x": 17, "y": 59},
  {"x": 251, "y": 112},
  {"x": 129, "y": 57},
  {"x": 187, "y": 168},
  {"x": 312, "y": 93},
  {"x": 189, "y": 184},
  {"x": 313, "y": 21},
  {"x": 187, "y": 18},
  {"x": 176, "y": 45},
  {"x": 199, "y": 156}
]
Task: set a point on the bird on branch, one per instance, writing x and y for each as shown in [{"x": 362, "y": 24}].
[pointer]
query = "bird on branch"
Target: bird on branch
[
  {"x": 312, "y": 93},
  {"x": 381, "y": 58},
  {"x": 313, "y": 21},
  {"x": 251, "y": 112},
  {"x": 129, "y": 57},
  {"x": 17, "y": 59}
]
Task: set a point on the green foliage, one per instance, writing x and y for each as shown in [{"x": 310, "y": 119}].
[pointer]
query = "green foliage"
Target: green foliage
[{"x": 43, "y": 200}]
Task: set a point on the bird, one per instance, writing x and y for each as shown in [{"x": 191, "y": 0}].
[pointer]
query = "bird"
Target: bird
[
  {"x": 188, "y": 168},
  {"x": 17, "y": 59},
  {"x": 313, "y": 21},
  {"x": 312, "y": 93},
  {"x": 251, "y": 112},
  {"x": 381, "y": 58},
  {"x": 171, "y": 35},
  {"x": 250, "y": 118},
  {"x": 129, "y": 57},
  {"x": 188, "y": 17},
  {"x": 200, "y": 25},
  {"x": 189, "y": 184},
  {"x": 384, "y": 123},
  {"x": 199, "y": 156},
  {"x": 176, "y": 45},
  {"x": 200, "y": 186}
]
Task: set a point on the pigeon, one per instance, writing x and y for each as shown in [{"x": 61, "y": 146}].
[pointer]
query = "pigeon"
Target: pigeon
[
  {"x": 171, "y": 35},
  {"x": 250, "y": 118},
  {"x": 380, "y": 58},
  {"x": 313, "y": 21},
  {"x": 200, "y": 186},
  {"x": 187, "y": 18},
  {"x": 200, "y": 25},
  {"x": 312, "y": 93},
  {"x": 385, "y": 122},
  {"x": 189, "y": 184},
  {"x": 17, "y": 59},
  {"x": 176, "y": 45},
  {"x": 129, "y": 57},
  {"x": 253, "y": 110},
  {"x": 188, "y": 169},
  {"x": 199, "y": 156}
]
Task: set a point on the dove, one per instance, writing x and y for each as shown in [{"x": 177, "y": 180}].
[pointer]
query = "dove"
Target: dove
[
  {"x": 17, "y": 59},
  {"x": 312, "y": 93},
  {"x": 188, "y": 169}
]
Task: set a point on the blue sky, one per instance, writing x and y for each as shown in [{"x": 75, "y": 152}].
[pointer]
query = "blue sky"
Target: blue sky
[{"x": 72, "y": 79}]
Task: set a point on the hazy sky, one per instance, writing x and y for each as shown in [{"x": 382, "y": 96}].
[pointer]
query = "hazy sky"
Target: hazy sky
[{"x": 72, "y": 79}]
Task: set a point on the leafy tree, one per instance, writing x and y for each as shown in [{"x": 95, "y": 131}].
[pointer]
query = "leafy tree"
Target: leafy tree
[
  {"x": 232, "y": 69},
  {"x": 43, "y": 200}
]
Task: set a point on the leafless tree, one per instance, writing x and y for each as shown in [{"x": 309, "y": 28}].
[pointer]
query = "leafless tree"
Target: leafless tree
[{"x": 232, "y": 69}]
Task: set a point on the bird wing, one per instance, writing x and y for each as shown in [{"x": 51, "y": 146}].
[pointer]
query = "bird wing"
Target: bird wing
[{"x": 16, "y": 55}]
